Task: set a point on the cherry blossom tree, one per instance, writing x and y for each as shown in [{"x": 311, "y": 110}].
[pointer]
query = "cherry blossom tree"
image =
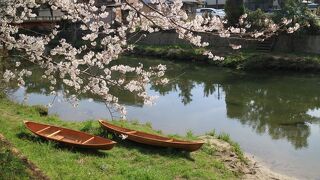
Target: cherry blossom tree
[{"x": 89, "y": 68}]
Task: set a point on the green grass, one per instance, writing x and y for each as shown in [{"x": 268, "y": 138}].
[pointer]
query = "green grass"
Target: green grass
[
  {"x": 11, "y": 167},
  {"x": 211, "y": 133},
  {"x": 173, "y": 52},
  {"x": 252, "y": 60},
  {"x": 125, "y": 161},
  {"x": 235, "y": 146}
]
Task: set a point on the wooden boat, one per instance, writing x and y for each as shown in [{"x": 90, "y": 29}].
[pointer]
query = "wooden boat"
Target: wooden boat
[
  {"x": 69, "y": 137},
  {"x": 150, "y": 139}
]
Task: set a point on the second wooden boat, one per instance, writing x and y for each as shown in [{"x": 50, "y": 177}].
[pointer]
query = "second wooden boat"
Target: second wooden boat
[
  {"x": 151, "y": 139},
  {"x": 69, "y": 137}
]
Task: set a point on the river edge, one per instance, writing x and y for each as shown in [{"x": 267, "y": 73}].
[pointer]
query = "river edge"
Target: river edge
[
  {"x": 219, "y": 147},
  {"x": 252, "y": 168},
  {"x": 247, "y": 60}
]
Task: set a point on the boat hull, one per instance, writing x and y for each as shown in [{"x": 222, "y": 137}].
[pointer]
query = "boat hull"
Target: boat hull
[
  {"x": 69, "y": 137},
  {"x": 150, "y": 139}
]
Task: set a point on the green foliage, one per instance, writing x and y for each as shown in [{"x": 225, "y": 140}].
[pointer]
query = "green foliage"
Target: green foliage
[
  {"x": 211, "y": 133},
  {"x": 224, "y": 136},
  {"x": 299, "y": 13},
  {"x": 318, "y": 11},
  {"x": 2, "y": 94},
  {"x": 244, "y": 59},
  {"x": 190, "y": 134},
  {"x": 257, "y": 19},
  {"x": 42, "y": 110},
  {"x": 235, "y": 146},
  {"x": 251, "y": 60},
  {"x": 172, "y": 52},
  {"x": 234, "y": 9},
  {"x": 149, "y": 124},
  {"x": 209, "y": 149},
  {"x": 314, "y": 28}
]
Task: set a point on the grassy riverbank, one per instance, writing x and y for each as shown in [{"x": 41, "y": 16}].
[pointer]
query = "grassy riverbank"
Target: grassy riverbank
[
  {"x": 126, "y": 161},
  {"x": 11, "y": 167},
  {"x": 246, "y": 60}
]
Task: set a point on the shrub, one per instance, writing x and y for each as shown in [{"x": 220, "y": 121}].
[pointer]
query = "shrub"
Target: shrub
[
  {"x": 257, "y": 19},
  {"x": 42, "y": 110},
  {"x": 299, "y": 13},
  {"x": 234, "y": 9},
  {"x": 318, "y": 11}
]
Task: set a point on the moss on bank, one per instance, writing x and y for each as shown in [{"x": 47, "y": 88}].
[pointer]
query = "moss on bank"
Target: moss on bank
[
  {"x": 126, "y": 161},
  {"x": 245, "y": 60}
]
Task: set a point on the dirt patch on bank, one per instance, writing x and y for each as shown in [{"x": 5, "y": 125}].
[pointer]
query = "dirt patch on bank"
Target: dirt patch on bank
[
  {"x": 250, "y": 168},
  {"x": 36, "y": 173}
]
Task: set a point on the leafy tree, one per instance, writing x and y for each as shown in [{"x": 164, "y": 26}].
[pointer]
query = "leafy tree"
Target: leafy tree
[
  {"x": 234, "y": 9},
  {"x": 299, "y": 13},
  {"x": 257, "y": 19}
]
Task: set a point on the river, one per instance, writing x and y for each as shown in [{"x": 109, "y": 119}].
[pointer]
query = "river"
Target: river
[{"x": 274, "y": 116}]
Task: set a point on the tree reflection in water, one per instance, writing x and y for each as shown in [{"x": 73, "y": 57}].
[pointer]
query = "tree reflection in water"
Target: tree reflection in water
[
  {"x": 276, "y": 106},
  {"x": 270, "y": 103}
]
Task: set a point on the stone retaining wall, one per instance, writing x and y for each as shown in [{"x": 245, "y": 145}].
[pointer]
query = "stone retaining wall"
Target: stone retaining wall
[
  {"x": 303, "y": 44},
  {"x": 285, "y": 43},
  {"x": 171, "y": 38}
]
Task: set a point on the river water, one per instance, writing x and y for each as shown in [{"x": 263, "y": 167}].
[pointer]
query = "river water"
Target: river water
[{"x": 274, "y": 116}]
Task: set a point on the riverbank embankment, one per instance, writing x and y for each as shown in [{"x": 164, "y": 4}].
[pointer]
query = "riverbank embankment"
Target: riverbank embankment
[{"x": 241, "y": 59}]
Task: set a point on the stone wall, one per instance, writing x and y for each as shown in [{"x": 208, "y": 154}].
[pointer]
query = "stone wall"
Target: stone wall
[
  {"x": 284, "y": 43},
  {"x": 302, "y": 44},
  {"x": 171, "y": 38}
]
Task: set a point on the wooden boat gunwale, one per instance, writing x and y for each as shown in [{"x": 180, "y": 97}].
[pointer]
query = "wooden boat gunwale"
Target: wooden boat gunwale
[{"x": 49, "y": 137}]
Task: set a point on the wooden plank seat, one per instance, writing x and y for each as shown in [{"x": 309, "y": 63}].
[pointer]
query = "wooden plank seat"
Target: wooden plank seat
[
  {"x": 58, "y": 137},
  {"x": 52, "y": 134},
  {"x": 131, "y": 132},
  {"x": 43, "y": 129},
  {"x": 88, "y": 140}
]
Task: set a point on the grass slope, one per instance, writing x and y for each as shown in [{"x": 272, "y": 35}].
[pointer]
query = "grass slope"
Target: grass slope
[
  {"x": 126, "y": 161},
  {"x": 11, "y": 167}
]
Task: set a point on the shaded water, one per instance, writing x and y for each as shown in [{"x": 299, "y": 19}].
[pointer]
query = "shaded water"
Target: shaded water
[{"x": 273, "y": 116}]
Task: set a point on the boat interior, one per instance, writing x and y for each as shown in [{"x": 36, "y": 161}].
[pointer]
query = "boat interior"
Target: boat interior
[{"x": 65, "y": 135}]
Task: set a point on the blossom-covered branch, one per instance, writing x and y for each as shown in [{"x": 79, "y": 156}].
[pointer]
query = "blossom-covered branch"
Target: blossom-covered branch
[{"x": 91, "y": 67}]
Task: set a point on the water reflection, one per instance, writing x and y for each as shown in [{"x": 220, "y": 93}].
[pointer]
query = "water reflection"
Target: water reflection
[
  {"x": 269, "y": 103},
  {"x": 279, "y": 108}
]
